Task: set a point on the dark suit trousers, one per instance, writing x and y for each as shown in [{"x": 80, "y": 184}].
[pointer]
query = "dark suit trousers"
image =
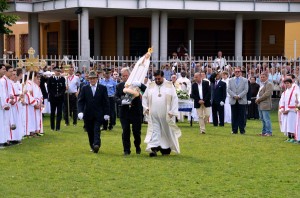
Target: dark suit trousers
[
  {"x": 238, "y": 117},
  {"x": 92, "y": 127},
  {"x": 112, "y": 113},
  {"x": 73, "y": 108},
  {"x": 136, "y": 130},
  {"x": 218, "y": 114},
  {"x": 56, "y": 106}
]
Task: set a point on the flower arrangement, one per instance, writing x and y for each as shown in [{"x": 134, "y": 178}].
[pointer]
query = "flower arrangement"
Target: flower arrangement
[{"x": 183, "y": 95}]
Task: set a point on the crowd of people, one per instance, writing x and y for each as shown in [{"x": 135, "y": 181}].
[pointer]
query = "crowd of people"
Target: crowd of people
[{"x": 221, "y": 94}]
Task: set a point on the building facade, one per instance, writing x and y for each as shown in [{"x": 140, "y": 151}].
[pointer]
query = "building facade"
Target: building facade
[{"x": 87, "y": 28}]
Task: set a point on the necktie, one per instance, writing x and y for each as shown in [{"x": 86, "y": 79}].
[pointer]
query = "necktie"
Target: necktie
[
  {"x": 94, "y": 90},
  {"x": 216, "y": 84},
  {"x": 237, "y": 81}
]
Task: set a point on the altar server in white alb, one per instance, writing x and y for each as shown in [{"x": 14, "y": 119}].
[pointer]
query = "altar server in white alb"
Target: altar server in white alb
[
  {"x": 160, "y": 102},
  {"x": 16, "y": 116},
  {"x": 38, "y": 97},
  {"x": 287, "y": 107},
  {"x": 7, "y": 99},
  {"x": 29, "y": 102},
  {"x": 2, "y": 111}
]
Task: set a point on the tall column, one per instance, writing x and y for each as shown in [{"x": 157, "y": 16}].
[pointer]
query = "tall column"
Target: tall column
[
  {"x": 239, "y": 39},
  {"x": 63, "y": 38},
  {"x": 163, "y": 36},
  {"x": 155, "y": 36},
  {"x": 84, "y": 38},
  {"x": 34, "y": 32},
  {"x": 1, "y": 45},
  {"x": 120, "y": 36},
  {"x": 258, "y": 38},
  {"x": 191, "y": 30},
  {"x": 97, "y": 36}
]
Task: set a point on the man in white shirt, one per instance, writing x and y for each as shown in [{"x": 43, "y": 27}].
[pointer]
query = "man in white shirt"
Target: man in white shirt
[
  {"x": 220, "y": 62},
  {"x": 70, "y": 100}
]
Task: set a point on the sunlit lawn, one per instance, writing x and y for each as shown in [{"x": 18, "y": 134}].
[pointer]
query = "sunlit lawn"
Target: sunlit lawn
[{"x": 217, "y": 164}]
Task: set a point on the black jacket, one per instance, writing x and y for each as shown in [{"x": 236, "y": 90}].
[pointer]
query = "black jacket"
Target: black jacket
[
  {"x": 135, "y": 109},
  {"x": 205, "y": 92},
  {"x": 218, "y": 93},
  {"x": 93, "y": 107},
  {"x": 56, "y": 88}
]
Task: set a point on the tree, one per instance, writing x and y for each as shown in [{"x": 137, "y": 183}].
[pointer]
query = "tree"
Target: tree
[{"x": 6, "y": 21}]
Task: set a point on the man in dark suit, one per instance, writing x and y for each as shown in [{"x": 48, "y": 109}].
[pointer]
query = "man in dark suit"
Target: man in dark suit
[
  {"x": 56, "y": 89},
  {"x": 201, "y": 95},
  {"x": 130, "y": 114},
  {"x": 93, "y": 106},
  {"x": 218, "y": 97}
]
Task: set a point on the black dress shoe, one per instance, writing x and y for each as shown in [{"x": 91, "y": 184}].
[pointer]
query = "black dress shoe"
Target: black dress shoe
[
  {"x": 96, "y": 148},
  {"x": 126, "y": 153},
  {"x": 103, "y": 129},
  {"x": 138, "y": 150},
  {"x": 153, "y": 154},
  {"x": 110, "y": 128}
]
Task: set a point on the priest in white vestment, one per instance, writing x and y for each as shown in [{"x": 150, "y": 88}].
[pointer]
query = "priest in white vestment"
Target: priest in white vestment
[
  {"x": 227, "y": 106},
  {"x": 160, "y": 102}
]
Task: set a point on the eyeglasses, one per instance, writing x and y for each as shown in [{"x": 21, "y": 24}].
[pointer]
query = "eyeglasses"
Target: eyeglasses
[{"x": 237, "y": 71}]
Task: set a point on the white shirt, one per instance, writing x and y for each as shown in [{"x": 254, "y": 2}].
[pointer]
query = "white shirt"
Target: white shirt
[
  {"x": 73, "y": 82},
  {"x": 200, "y": 91},
  {"x": 94, "y": 89}
]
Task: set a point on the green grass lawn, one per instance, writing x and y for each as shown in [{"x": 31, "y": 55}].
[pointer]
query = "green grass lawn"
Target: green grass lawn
[{"x": 217, "y": 164}]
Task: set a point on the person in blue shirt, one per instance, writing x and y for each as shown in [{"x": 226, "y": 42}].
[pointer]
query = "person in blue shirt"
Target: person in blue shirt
[{"x": 110, "y": 85}]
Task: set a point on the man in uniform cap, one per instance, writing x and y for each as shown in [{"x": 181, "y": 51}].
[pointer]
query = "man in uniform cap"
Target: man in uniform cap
[
  {"x": 93, "y": 106},
  {"x": 110, "y": 85},
  {"x": 56, "y": 89}
]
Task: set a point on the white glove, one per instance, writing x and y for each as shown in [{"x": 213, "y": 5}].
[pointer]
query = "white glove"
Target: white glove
[
  {"x": 80, "y": 116},
  {"x": 136, "y": 84},
  {"x": 222, "y": 103},
  {"x": 249, "y": 102},
  {"x": 106, "y": 117}
]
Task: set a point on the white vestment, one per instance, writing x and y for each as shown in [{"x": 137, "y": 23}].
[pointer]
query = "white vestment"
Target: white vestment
[
  {"x": 5, "y": 99},
  {"x": 287, "y": 103},
  {"x": 162, "y": 130},
  {"x": 2, "y": 112},
  {"x": 227, "y": 106},
  {"x": 38, "y": 96},
  {"x": 30, "y": 102},
  {"x": 16, "y": 116}
]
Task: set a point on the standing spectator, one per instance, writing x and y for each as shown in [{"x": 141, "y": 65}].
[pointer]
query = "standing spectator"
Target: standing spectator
[
  {"x": 56, "y": 88},
  {"x": 218, "y": 97},
  {"x": 175, "y": 83},
  {"x": 252, "y": 107},
  {"x": 168, "y": 72},
  {"x": 220, "y": 61},
  {"x": 110, "y": 85},
  {"x": 130, "y": 114},
  {"x": 264, "y": 103},
  {"x": 238, "y": 89},
  {"x": 227, "y": 107},
  {"x": 201, "y": 95},
  {"x": 184, "y": 82}
]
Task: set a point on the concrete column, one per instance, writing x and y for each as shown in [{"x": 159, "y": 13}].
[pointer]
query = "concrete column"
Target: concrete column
[
  {"x": 1, "y": 46},
  {"x": 239, "y": 39},
  {"x": 155, "y": 36},
  {"x": 97, "y": 37},
  {"x": 63, "y": 38},
  {"x": 34, "y": 32},
  {"x": 120, "y": 36},
  {"x": 163, "y": 36},
  {"x": 191, "y": 30},
  {"x": 84, "y": 38},
  {"x": 258, "y": 38}
]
